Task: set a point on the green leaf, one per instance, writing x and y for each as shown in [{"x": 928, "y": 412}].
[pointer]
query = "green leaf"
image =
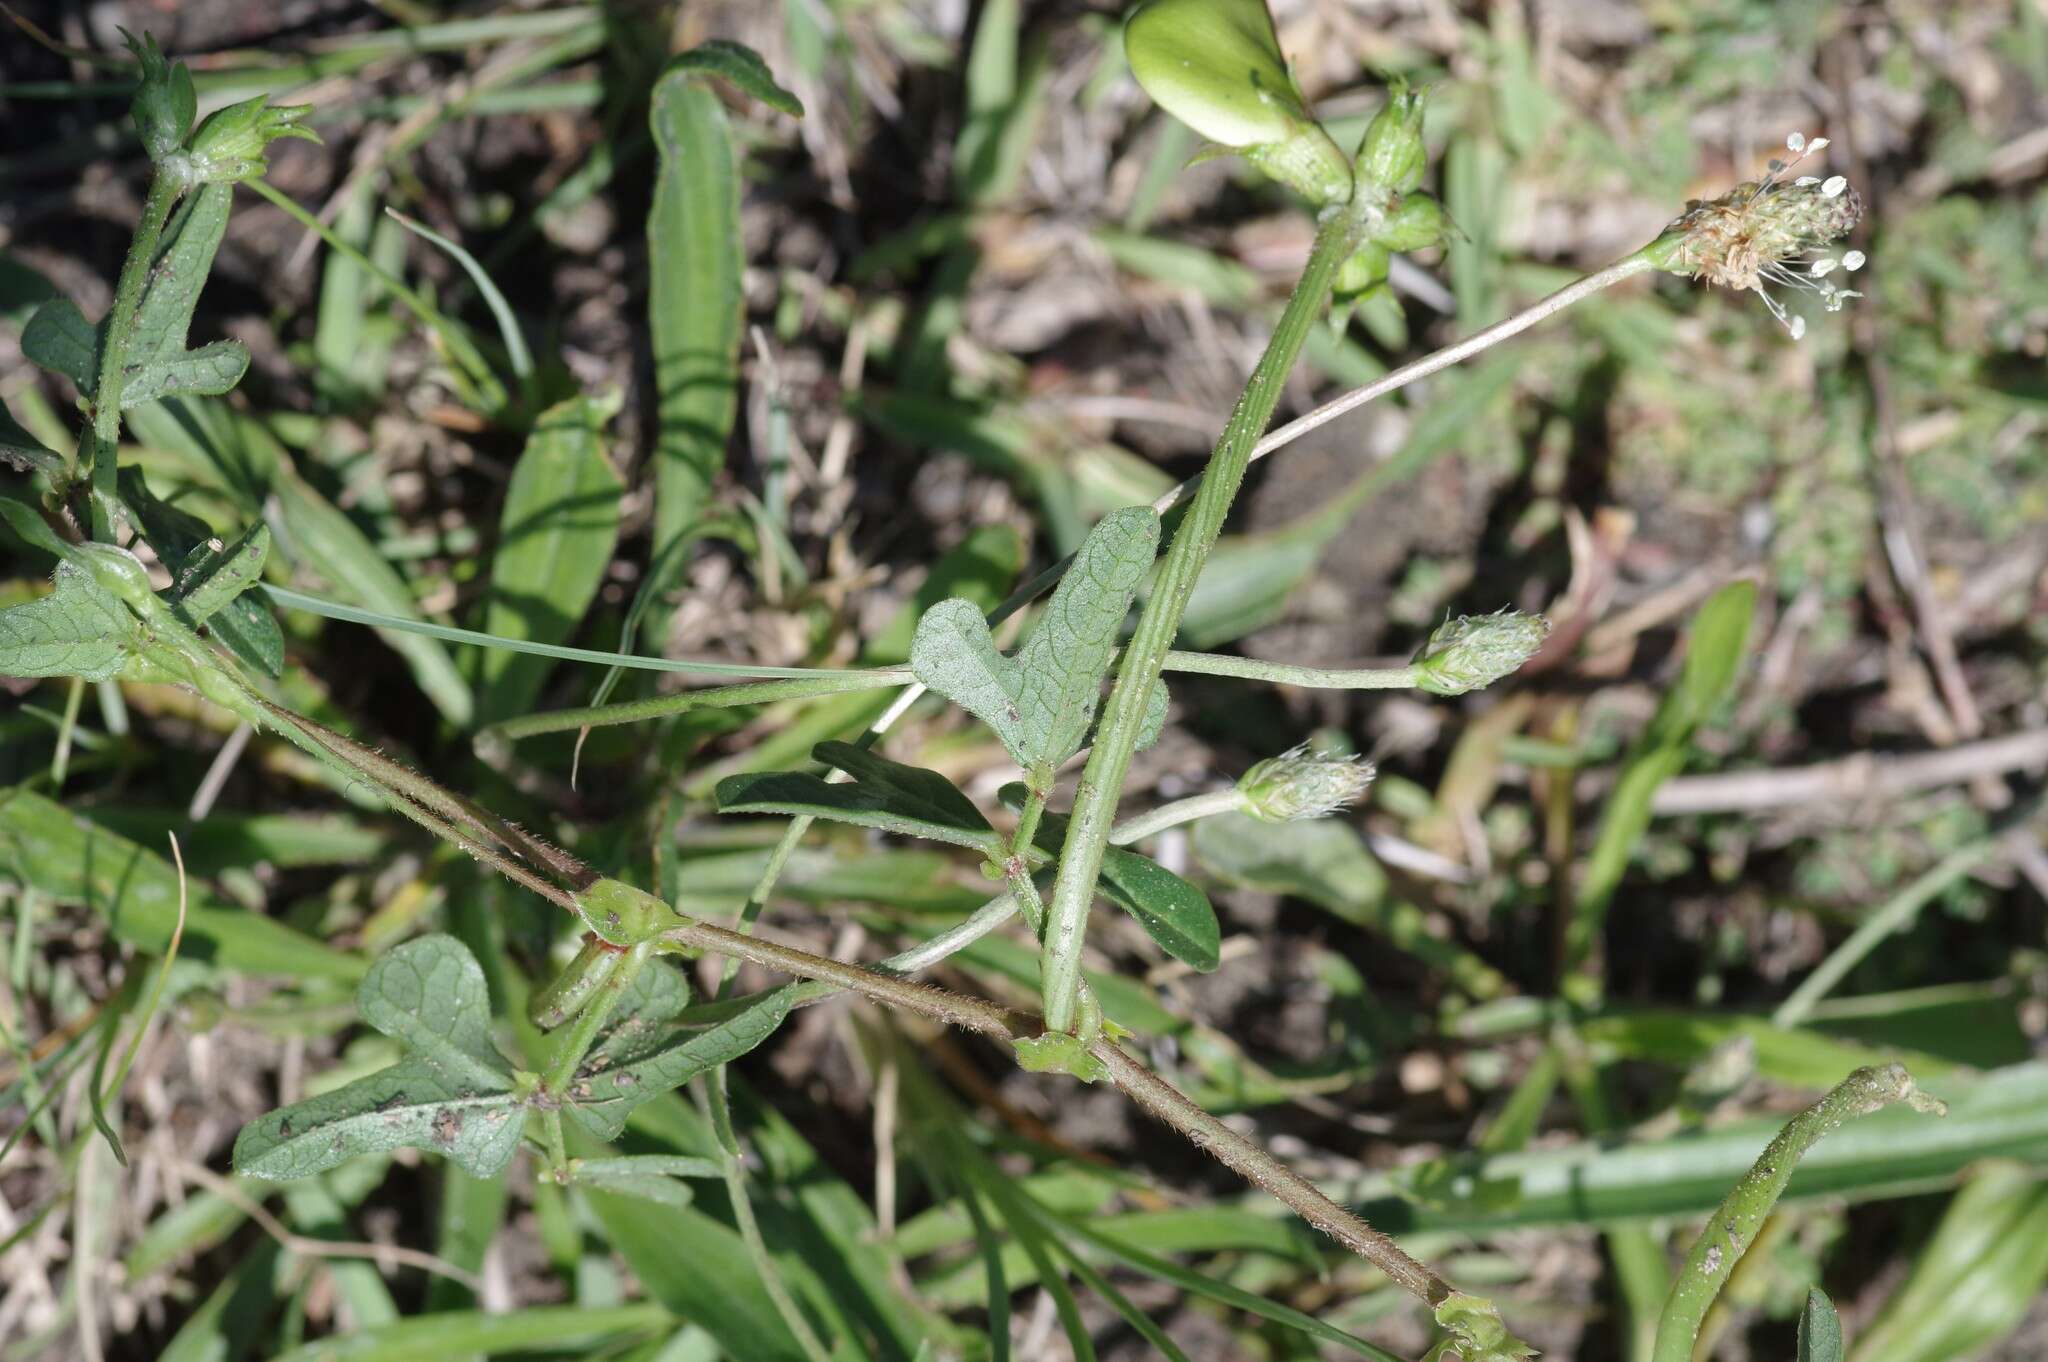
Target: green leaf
[
  {"x": 76, "y": 630},
  {"x": 883, "y": 794},
  {"x": 135, "y": 891},
  {"x": 699, "y": 1269},
  {"x": 452, "y": 1093},
  {"x": 212, "y": 581},
  {"x": 645, "y": 1062},
  {"x": 60, "y": 339},
  {"x": 740, "y": 67},
  {"x": 1476, "y": 1331},
  {"x": 556, "y": 534},
  {"x": 171, "y": 291},
  {"x": 1173, "y": 912},
  {"x": 1820, "y": 1329},
  {"x": 1042, "y": 702},
  {"x": 208, "y": 371},
  {"x": 1975, "y": 1280},
  {"x": 694, "y": 305},
  {"x": 429, "y": 996},
  {"x": 24, "y": 453},
  {"x": 1719, "y": 635},
  {"x": 1216, "y": 65},
  {"x": 1005, "y": 101},
  {"x": 579, "y": 1328}
]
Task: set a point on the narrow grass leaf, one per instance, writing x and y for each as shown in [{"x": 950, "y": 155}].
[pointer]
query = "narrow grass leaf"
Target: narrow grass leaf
[
  {"x": 516, "y": 353},
  {"x": 1719, "y": 636},
  {"x": 456, "y": 1332},
  {"x": 1975, "y": 1280},
  {"x": 556, "y": 534},
  {"x": 695, "y": 311}
]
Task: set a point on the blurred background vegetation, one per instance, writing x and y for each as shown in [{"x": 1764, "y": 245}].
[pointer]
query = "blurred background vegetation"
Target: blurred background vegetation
[{"x": 988, "y": 300}]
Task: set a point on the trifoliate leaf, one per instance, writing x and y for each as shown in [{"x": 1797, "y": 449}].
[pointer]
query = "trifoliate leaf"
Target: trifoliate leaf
[{"x": 453, "y": 1093}]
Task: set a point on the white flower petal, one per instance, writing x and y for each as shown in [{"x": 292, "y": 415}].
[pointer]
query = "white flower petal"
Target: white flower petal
[
  {"x": 1832, "y": 187},
  {"x": 1798, "y": 328},
  {"x": 1853, "y": 261},
  {"x": 1796, "y": 142},
  {"x": 1817, "y": 145},
  {"x": 1822, "y": 266}
]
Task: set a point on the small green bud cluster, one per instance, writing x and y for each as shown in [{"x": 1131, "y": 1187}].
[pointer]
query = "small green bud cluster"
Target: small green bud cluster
[
  {"x": 1301, "y": 784},
  {"x": 1400, "y": 217},
  {"x": 227, "y": 147},
  {"x": 1474, "y": 651},
  {"x": 1770, "y": 232}
]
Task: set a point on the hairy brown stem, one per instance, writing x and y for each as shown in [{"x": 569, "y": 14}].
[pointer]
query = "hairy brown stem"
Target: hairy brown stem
[{"x": 1157, "y": 1096}]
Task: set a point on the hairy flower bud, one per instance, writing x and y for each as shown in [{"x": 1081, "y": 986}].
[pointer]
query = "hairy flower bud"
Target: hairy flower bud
[
  {"x": 1392, "y": 156},
  {"x": 1474, "y": 651},
  {"x": 165, "y": 103},
  {"x": 1770, "y": 232},
  {"x": 229, "y": 145},
  {"x": 1301, "y": 784}
]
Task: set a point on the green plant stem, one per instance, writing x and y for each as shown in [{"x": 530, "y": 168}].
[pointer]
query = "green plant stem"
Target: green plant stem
[
  {"x": 712, "y": 1099},
  {"x": 1155, "y": 821},
  {"x": 1734, "y": 1225},
  {"x": 103, "y": 442},
  {"x": 575, "y": 1041},
  {"x": 1123, "y": 716}
]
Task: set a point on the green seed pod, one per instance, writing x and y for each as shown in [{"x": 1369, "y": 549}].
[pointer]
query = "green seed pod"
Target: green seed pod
[
  {"x": 1474, "y": 651},
  {"x": 1391, "y": 156},
  {"x": 1300, "y": 784},
  {"x": 576, "y": 985},
  {"x": 1216, "y": 66},
  {"x": 165, "y": 103}
]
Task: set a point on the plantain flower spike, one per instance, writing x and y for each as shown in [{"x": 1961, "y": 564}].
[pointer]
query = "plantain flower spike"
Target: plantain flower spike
[
  {"x": 1301, "y": 784},
  {"x": 1216, "y": 65},
  {"x": 1770, "y": 233},
  {"x": 1474, "y": 651}
]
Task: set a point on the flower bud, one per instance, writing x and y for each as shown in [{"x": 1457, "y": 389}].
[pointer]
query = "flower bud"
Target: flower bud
[
  {"x": 229, "y": 145},
  {"x": 1216, "y": 65},
  {"x": 1474, "y": 651},
  {"x": 165, "y": 104},
  {"x": 1415, "y": 222},
  {"x": 1300, "y": 784},
  {"x": 1392, "y": 156},
  {"x": 1364, "y": 270}
]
